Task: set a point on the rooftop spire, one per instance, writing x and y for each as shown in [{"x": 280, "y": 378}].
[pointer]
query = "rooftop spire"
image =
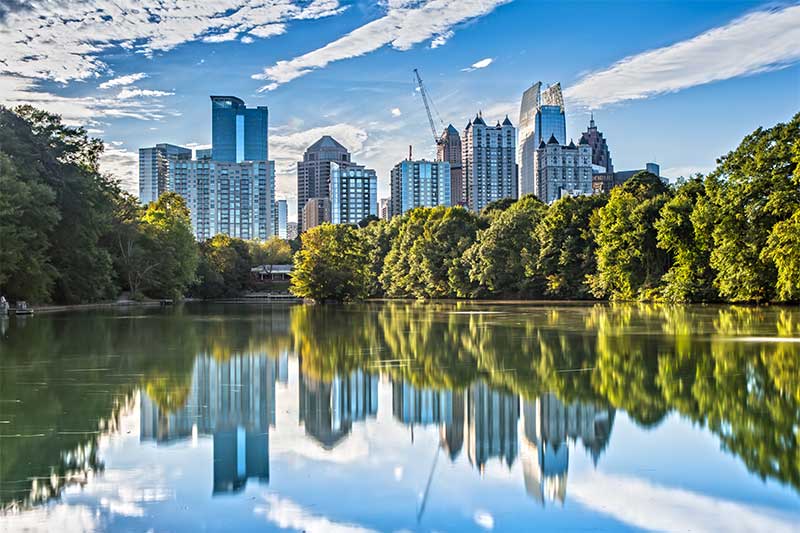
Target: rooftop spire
[{"x": 591, "y": 121}]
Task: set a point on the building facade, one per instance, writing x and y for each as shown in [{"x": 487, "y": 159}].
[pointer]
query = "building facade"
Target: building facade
[
  {"x": 280, "y": 218},
  {"x": 314, "y": 172},
  {"x": 563, "y": 170},
  {"x": 383, "y": 208},
  {"x": 238, "y": 133},
  {"x": 154, "y": 169},
  {"x": 315, "y": 212},
  {"x": 601, "y": 155},
  {"x": 292, "y": 230},
  {"x": 541, "y": 116},
  {"x": 353, "y": 193},
  {"x": 488, "y": 162},
  {"x": 233, "y": 199},
  {"x": 419, "y": 184},
  {"x": 449, "y": 149}
]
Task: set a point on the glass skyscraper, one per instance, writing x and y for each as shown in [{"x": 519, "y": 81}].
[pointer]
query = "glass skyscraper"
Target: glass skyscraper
[
  {"x": 238, "y": 133},
  {"x": 541, "y": 116},
  {"x": 154, "y": 169}
]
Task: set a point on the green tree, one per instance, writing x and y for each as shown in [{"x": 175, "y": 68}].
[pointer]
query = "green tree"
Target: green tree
[
  {"x": 629, "y": 263},
  {"x": 224, "y": 269},
  {"x": 331, "y": 265},
  {"x": 168, "y": 232},
  {"x": 273, "y": 251},
  {"x": 27, "y": 216},
  {"x": 685, "y": 231},
  {"x": 567, "y": 246},
  {"x": 499, "y": 259},
  {"x": 753, "y": 188},
  {"x": 783, "y": 249},
  {"x": 425, "y": 258},
  {"x": 378, "y": 236}
]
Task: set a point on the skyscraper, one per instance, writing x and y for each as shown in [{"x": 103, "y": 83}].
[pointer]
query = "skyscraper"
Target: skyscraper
[
  {"x": 491, "y": 425},
  {"x": 280, "y": 218},
  {"x": 234, "y": 199},
  {"x": 383, "y": 209},
  {"x": 154, "y": 169},
  {"x": 541, "y": 116},
  {"x": 449, "y": 149},
  {"x": 238, "y": 133},
  {"x": 315, "y": 212},
  {"x": 488, "y": 162},
  {"x": 314, "y": 172},
  {"x": 601, "y": 155},
  {"x": 353, "y": 193},
  {"x": 419, "y": 184},
  {"x": 563, "y": 170}
]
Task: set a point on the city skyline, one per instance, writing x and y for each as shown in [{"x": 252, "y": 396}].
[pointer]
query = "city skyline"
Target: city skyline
[{"x": 662, "y": 96}]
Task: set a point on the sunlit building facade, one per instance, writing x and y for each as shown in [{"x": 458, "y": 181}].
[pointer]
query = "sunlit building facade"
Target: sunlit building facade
[
  {"x": 419, "y": 184},
  {"x": 563, "y": 170},
  {"x": 541, "y": 116},
  {"x": 449, "y": 149},
  {"x": 488, "y": 162},
  {"x": 280, "y": 217},
  {"x": 154, "y": 178},
  {"x": 353, "y": 193}
]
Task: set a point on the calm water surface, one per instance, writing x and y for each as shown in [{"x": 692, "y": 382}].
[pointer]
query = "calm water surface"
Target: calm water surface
[{"x": 402, "y": 417}]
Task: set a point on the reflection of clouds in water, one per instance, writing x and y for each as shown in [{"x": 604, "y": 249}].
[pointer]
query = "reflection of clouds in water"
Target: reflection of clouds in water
[
  {"x": 53, "y": 517},
  {"x": 643, "y": 504},
  {"x": 287, "y": 514},
  {"x": 484, "y": 519}
]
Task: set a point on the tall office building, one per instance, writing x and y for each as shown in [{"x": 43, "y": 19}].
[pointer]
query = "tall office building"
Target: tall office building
[
  {"x": 601, "y": 155},
  {"x": 383, "y": 208},
  {"x": 541, "y": 116},
  {"x": 280, "y": 218},
  {"x": 488, "y": 162},
  {"x": 292, "y": 230},
  {"x": 353, "y": 193},
  {"x": 234, "y": 199},
  {"x": 419, "y": 184},
  {"x": 238, "y": 133},
  {"x": 563, "y": 170},
  {"x": 154, "y": 169},
  {"x": 315, "y": 212},
  {"x": 449, "y": 149},
  {"x": 314, "y": 171}
]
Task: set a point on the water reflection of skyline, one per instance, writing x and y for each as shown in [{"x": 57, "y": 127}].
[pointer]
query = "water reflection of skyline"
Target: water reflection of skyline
[{"x": 233, "y": 402}]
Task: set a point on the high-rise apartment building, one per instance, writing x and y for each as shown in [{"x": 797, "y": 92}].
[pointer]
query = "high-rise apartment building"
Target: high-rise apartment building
[
  {"x": 291, "y": 230},
  {"x": 541, "y": 116},
  {"x": 384, "y": 208},
  {"x": 353, "y": 193},
  {"x": 154, "y": 169},
  {"x": 315, "y": 212},
  {"x": 488, "y": 162},
  {"x": 314, "y": 171},
  {"x": 238, "y": 133},
  {"x": 280, "y": 217},
  {"x": 234, "y": 199},
  {"x": 601, "y": 155},
  {"x": 419, "y": 184},
  {"x": 563, "y": 170},
  {"x": 449, "y": 149}
]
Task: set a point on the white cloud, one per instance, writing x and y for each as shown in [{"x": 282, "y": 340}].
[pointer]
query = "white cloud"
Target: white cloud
[
  {"x": 135, "y": 92},
  {"x": 230, "y": 35},
  {"x": 268, "y": 30},
  {"x": 128, "y": 79},
  {"x": 287, "y": 514},
  {"x": 123, "y": 166},
  {"x": 758, "y": 42},
  {"x": 247, "y": 39},
  {"x": 483, "y": 63},
  {"x": 441, "y": 39},
  {"x": 484, "y": 519},
  {"x": 396, "y": 112},
  {"x": 404, "y": 25},
  {"x": 656, "y": 508}
]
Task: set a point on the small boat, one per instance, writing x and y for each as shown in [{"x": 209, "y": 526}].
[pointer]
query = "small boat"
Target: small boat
[
  {"x": 166, "y": 301},
  {"x": 23, "y": 309}
]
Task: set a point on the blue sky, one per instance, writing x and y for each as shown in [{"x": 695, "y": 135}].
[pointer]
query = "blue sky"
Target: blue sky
[{"x": 676, "y": 82}]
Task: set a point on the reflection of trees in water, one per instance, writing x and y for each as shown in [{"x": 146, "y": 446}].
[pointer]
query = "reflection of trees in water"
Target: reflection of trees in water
[{"x": 649, "y": 360}]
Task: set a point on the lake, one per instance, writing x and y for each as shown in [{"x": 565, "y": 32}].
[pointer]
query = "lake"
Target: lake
[{"x": 402, "y": 417}]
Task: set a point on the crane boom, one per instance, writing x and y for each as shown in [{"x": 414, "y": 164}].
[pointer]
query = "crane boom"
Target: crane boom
[{"x": 424, "y": 94}]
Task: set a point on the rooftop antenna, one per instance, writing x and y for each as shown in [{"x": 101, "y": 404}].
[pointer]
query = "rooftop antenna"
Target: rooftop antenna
[{"x": 409, "y": 153}]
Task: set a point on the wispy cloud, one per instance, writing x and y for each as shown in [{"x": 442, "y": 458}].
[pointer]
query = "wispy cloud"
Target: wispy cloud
[
  {"x": 134, "y": 92},
  {"x": 122, "y": 81},
  {"x": 287, "y": 514},
  {"x": 483, "y": 63},
  {"x": 758, "y": 42},
  {"x": 396, "y": 112},
  {"x": 404, "y": 25}
]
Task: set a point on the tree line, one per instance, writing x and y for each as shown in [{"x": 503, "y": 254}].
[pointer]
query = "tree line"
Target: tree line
[
  {"x": 69, "y": 234},
  {"x": 733, "y": 235}
]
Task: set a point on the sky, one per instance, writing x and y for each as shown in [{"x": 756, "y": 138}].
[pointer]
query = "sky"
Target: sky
[{"x": 678, "y": 83}]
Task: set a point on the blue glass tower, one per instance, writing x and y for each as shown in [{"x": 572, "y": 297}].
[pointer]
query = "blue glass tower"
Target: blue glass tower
[{"x": 238, "y": 133}]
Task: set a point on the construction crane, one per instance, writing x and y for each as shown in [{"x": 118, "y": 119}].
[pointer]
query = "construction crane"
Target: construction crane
[{"x": 425, "y": 100}]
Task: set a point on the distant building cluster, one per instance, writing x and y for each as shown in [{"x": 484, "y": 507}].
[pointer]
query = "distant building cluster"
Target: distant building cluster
[{"x": 230, "y": 188}]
